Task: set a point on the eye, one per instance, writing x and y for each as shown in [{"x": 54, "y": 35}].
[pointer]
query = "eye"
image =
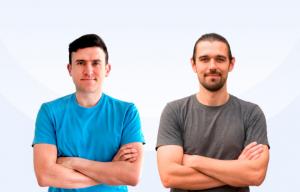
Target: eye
[
  {"x": 220, "y": 59},
  {"x": 80, "y": 62},
  {"x": 204, "y": 59},
  {"x": 95, "y": 63}
]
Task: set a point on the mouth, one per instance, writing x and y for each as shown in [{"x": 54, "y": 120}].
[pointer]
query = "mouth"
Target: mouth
[
  {"x": 88, "y": 79},
  {"x": 212, "y": 75}
]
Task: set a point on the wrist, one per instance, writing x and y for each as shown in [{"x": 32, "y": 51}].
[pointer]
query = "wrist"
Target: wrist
[
  {"x": 196, "y": 161},
  {"x": 74, "y": 162}
]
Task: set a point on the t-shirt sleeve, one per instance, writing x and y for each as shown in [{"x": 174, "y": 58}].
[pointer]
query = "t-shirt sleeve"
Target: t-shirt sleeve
[
  {"x": 256, "y": 127},
  {"x": 132, "y": 131},
  {"x": 169, "y": 128},
  {"x": 44, "y": 127}
]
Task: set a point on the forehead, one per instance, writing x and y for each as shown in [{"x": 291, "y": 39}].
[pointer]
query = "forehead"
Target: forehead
[
  {"x": 211, "y": 48},
  {"x": 89, "y": 53}
]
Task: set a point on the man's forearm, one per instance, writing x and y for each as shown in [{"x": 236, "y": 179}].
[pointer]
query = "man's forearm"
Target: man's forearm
[
  {"x": 49, "y": 173},
  {"x": 232, "y": 172},
  {"x": 182, "y": 177},
  {"x": 61, "y": 177},
  {"x": 112, "y": 173}
]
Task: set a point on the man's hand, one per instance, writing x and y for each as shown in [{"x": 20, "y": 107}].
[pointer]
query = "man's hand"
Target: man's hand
[
  {"x": 126, "y": 153},
  {"x": 251, "y": 152}
]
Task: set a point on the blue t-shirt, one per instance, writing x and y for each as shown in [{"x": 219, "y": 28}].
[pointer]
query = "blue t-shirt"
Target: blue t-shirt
[{"x": 94, "y": 133}]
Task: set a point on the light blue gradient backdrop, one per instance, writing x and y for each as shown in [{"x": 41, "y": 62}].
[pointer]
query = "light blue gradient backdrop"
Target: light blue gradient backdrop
[{"x": 150, "y": 44}]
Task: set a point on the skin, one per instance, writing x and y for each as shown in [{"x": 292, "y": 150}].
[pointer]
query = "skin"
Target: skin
[
  {"x": 123, "y": 170},
  {"x": 191, "y": 172},
  {"x": 49, "y": 173},
  {"x": 212, "y": 66},
  {"x": 238, "y": 173},
  {"x": 88, "y": 71}
]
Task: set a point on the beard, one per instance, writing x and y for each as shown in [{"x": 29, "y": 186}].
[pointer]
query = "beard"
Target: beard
[{"x": 215, "y": 83}]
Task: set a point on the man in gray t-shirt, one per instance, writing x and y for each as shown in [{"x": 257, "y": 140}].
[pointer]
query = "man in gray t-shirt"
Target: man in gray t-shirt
[{"x": 212, "y": 141}]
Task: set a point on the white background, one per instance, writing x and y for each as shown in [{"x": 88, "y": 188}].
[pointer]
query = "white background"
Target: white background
[{"x": 150, "y": 44}]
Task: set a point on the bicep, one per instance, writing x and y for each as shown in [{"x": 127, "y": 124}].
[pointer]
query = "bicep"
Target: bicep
[
  {"x": 262, "y": 162},
  {"x": 44, "y": 155},
  {"x": 260, "y": 166},
  {"x": 168, "y": 155}
]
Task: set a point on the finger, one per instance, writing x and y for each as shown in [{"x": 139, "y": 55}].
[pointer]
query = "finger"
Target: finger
[
  {"x": 255, "y": 157},
  {"x": 127, "y": 151},
  {"x": 128, "y": 156},
  {"x": 249, "y": 146},
  {"x": 131, "y": 160},
  {"x": 255, "y": 153},
  {"x": 122, "y": 152},
  {"x": 245, "y": 152},
  {"x": 254, "y": 150},
  {"x": 128, "y": 146}
]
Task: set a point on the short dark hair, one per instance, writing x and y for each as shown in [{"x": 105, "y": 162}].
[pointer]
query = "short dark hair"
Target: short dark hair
[
  {"x": 212, "y": 37},
  {"x": 89, "y": 40}
]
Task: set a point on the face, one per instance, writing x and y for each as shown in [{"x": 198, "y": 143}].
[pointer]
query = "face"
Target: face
[
  {"x": 212, "y": 64},
  {"x": 88, "y": 69}
]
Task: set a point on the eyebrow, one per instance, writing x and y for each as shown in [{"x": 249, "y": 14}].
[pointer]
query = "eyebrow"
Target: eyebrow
[
  {"x": 203, "y": 56},
  {"x": 221, "y": 56},
  {"x": 217, "y": 56},
  {"x": 82, "y": 60}
]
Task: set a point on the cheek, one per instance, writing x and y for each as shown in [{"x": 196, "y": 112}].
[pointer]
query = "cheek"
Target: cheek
[
  {"x": 200, "y": 70},
  {"x": 196, "y": 68}
]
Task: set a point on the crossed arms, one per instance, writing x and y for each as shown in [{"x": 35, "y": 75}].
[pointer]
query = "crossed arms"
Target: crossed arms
[
  {"x": 75, "y": 172},
  {"x": 192, "y": 172}
]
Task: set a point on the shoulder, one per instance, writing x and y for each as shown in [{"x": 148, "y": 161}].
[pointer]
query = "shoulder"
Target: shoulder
[
  {"x": 118, "y": 104},
  {"x": 248, "y": 109},
  {"x": 58, "y": 103},
  {"x": 245, "y": 105},
  {"x": 180, "y": 104},
  {"x": 178, "y": 109}
]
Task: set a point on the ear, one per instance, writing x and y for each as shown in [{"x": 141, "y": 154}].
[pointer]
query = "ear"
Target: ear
[
  {"x": 231, "y": 64},
  {"x": 107, "y": 69},
  {"x": 193, "y": 65},
  {"x": 69, "y": 67}
]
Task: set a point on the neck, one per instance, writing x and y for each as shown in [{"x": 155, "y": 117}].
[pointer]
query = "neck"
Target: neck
[
  {"x": 88, "y": 99},
  {"x": 216, "y": 98}
]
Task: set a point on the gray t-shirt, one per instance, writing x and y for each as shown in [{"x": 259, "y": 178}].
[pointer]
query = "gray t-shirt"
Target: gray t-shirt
[{"x": 219, "y": 132}]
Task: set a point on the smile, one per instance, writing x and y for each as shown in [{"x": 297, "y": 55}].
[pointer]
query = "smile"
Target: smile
[{"x": 212, "y": 75}]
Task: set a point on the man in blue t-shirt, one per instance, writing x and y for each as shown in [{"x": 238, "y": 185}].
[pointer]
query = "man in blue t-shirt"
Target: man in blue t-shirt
[{"x": 88, "y": 141}]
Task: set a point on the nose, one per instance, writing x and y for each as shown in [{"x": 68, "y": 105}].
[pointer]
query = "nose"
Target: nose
[
  {"x": 88, "y": 69},
  {"x": 212, "y": 64}
]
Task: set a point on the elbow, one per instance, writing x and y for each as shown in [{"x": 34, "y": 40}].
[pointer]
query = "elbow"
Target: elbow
[
  {"x": 42, "y": 180},
  {"x": 166, "y": 180},
  {"x": 42, "y": 176},
  {"x": 133, "y": 181},
  {"x": 257, "y": 178},
  {"x": 133, "y": 178}
]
